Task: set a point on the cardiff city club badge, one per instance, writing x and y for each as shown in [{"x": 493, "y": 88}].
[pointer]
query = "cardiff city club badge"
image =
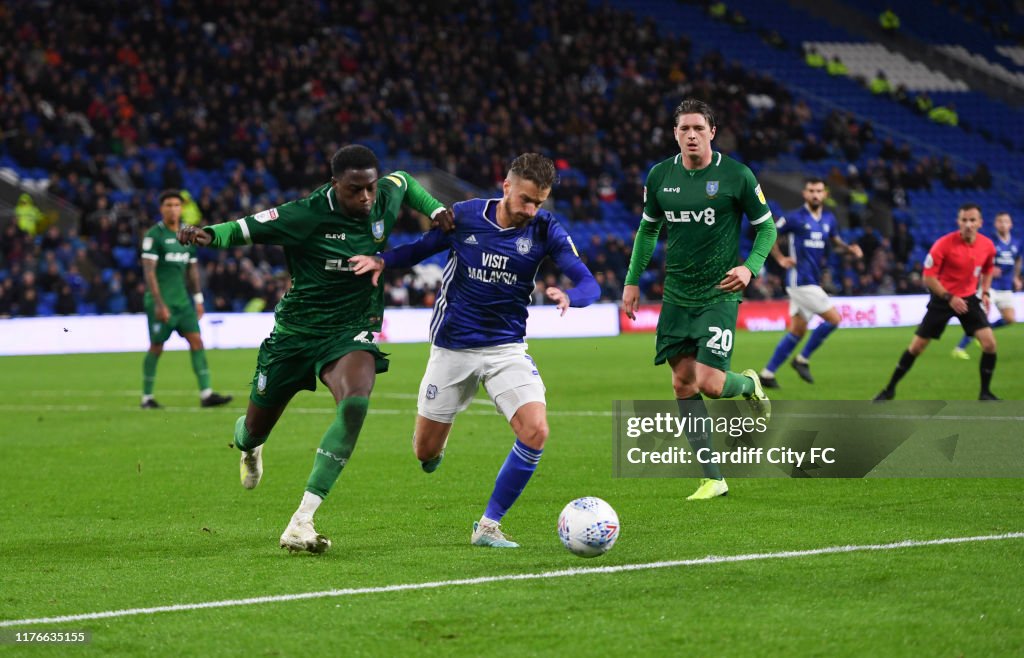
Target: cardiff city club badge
[
  {"x": 524, "y": 245},
  {"x": 711, "y": 188}
]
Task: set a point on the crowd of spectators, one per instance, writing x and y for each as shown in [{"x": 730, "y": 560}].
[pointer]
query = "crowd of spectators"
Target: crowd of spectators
[{"x": 116, "y": 101}]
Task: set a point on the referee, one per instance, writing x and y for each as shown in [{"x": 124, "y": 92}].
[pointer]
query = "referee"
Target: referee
[{"x": 951, "y": 273}]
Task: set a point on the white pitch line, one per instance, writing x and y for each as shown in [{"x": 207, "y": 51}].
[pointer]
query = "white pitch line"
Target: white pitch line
[{"x": 578, "y": 571}]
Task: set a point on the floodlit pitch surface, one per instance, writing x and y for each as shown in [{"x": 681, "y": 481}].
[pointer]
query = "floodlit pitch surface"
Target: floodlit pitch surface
[{"x": 106, "y": 507}]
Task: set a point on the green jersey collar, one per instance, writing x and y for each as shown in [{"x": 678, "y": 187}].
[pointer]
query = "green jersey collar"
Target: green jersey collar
[{"x": 716, "y": 159}]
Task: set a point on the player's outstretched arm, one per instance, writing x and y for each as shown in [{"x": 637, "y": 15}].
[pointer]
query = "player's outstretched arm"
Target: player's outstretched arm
[
  {"x": 367, "y": 265},
  {"x": 428, "y": 244},
  {"x": 189, "y": 235},
  {"x": 585, "y": 290}
]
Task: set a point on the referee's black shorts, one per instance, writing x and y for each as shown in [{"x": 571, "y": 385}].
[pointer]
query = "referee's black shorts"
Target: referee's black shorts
[{"x": 939, "y": 313}]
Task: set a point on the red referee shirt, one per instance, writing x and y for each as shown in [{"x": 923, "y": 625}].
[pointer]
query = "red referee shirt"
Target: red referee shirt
[{"x": 957, "y": 265}]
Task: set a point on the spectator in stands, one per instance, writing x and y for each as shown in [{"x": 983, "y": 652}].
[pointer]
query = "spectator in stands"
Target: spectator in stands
[
  {"x": 28, "y": 215},
  {"x": 902, "y": 245},
  {"x": 945, "y": 115},
  {"x": 869, "y": 243},
  {"x": 813, "y": 149},
  {"x": 880, "y": 84},
  {"x": 8, "y": 297},
  {"x": 889, "y": 21},
  {"x": 813, "y": 58},
  {"x": 28, "y": 297},
  {"x": 982, "y": 177},
  {"x": 836, "y": 67}
]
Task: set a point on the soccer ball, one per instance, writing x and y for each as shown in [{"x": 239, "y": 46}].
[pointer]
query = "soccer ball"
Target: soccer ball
[{"x": 588, "y": 527}]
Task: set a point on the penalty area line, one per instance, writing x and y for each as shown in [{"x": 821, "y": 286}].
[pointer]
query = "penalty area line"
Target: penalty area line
[{"x": 561, "y": 573}]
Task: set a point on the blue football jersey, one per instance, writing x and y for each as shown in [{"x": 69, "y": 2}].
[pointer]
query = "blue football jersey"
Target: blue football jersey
[
  {"x": 489, "y": 279},
  {"x": 808, "y": 239},
  {"x": 1007, "y": 254}
]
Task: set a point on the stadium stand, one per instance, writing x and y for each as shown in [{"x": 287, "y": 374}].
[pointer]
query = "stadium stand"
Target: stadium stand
[{"x": 103, "y": 107}]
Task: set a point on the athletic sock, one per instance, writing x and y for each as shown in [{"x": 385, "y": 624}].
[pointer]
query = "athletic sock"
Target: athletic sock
[
  {"x": 782, "y": 351},
  {"x": 149, "y": 373},
  {"x": 519, "y": 466},
  {"x": 1001, "y": 322},
  {"x": 906, "y": 362},
  {"x": 201, "y": 369},
  {"x": 696, "y": 410},
  {"x": 337, "y": 445},
  {"x": 245, "y": 441},
  {"x": 310, "y": 503},
  {"x": 988, "y": 366},
  {"x": 964, "y": 342},
  {"x": 737, "y": 384},
  {"x": 818, "y": 337}
]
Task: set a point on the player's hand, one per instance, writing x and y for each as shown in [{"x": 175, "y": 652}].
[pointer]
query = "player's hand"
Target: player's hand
[
  {"x": 986, "y": 303},
  {"x": 366, "y": 264},
  {"x": 163, "y": 314},
  {"x": 199, "y": 311},
  {"x": 558, "y": 296},
  {"x": 786, "y": 262},
  {"x": 630, "y": 301},
  {"x": 189, "y": 234},
  {"x": 855, "y": 250},
  {"x": 959, "y": 305},
  {"x": 443, "y": 220},
  {"x": 736, "y": 279},
  {"x": 1018, "y": 284}
]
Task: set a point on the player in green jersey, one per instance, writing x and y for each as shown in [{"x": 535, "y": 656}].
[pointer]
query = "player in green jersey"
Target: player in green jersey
[
  {"x": 170, "y": 304},
  {"x": 325, "y": 323},
  {"x": 702, "y": 196}
]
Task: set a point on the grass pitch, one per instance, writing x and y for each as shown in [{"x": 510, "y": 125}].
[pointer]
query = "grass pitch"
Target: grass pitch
[{"x": 107, "y": 507}]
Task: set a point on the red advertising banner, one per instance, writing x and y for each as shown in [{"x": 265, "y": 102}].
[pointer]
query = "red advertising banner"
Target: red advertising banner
[{"x": 755, "y": 316}]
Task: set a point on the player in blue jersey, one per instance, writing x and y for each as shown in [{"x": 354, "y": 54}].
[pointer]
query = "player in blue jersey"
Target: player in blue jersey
[
  {"x": 479, "y": 323},
  {"x": 808, "y": 231},
  {"x": 1008, "y": 262}
]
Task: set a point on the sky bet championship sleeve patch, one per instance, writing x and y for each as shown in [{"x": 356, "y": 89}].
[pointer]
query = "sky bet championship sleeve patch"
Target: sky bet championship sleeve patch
[
  {"x": 760, "y": 194},
  {"x": 266, "y": 216}
]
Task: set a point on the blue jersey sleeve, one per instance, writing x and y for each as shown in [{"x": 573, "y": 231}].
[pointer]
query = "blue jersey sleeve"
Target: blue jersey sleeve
[
  {"x": 428, "y": 244},
  {"x": 585, "y": 290},
  {"x": 782, "y": 226}
]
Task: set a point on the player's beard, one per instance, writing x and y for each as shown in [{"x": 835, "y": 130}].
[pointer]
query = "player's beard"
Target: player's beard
[{"x": 516, "y": 220}]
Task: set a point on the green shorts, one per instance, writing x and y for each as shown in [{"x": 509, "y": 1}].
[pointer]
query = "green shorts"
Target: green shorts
[
  {"x": 707, "y": 331},
  {"x": 289, "y": 363},
  {"x": 183, "y": 320}
]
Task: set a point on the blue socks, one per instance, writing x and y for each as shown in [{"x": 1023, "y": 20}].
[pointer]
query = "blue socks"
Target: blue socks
[
  {"x": 818, "y": 337},
  {"x": 782, "y": 351},
  {"x": 966, "y": 340},
  {"x": 512, "y": 478}
]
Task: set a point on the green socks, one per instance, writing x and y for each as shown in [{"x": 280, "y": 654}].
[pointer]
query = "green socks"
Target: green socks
[
  {"x": 737, "y": 384},
  {"x": 201, "y": 369},
  {"x": 337, "y": 445},
  {"x": 696, "y": 409},
  {"x": 149, "y": 373},
  {"x": 245, "y": 441}
]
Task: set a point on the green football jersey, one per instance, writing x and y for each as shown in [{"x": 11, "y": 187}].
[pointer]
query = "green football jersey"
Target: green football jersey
[
  {"x": 704, "y": 211},
  {"x": 326, "y": 296},
  {"x": 172, "y": 258}
]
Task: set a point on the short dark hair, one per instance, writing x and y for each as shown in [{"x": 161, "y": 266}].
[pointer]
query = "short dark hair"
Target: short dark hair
[
  {"x": 694, "y": 106},
  {"x": 353, "y": 156},
  {"x": 170, "y": 194},
  {"x": 535, "y": 167},
  {"x": 968, "y": 206},
  {"x": 813, "y": 180}
]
